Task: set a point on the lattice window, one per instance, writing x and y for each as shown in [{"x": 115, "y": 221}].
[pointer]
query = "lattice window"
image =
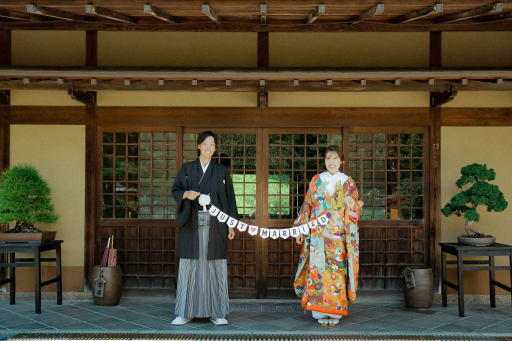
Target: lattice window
[
  {"x": 294, "y": 159},
  {"x": 389, "y": 171},
  {"x": 138, "y": 171},
  {"x": 238, "y": 153}
]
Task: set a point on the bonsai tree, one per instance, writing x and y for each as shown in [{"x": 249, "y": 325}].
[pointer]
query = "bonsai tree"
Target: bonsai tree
[
  {"x": 25, "y": 199},
  {"x": 480, "y": 193}
]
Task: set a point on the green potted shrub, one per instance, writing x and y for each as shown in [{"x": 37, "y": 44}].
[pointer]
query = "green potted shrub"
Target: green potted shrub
[
  {"x": 25, "y": 200},
  {"x": 465, "y": 203}
]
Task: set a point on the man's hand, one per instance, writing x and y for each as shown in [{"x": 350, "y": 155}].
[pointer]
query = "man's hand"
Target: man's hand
[
  {"x": 191, "y": 195},
  {"x": 299, "y": 239},
  {"x": 231, "y": 233}
]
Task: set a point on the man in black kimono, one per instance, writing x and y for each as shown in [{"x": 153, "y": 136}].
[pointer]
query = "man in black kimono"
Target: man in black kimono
[{"x": 202, "y": 240}]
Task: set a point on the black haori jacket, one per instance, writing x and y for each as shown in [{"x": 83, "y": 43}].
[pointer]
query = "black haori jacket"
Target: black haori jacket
[{"x": 216, "y": 182}]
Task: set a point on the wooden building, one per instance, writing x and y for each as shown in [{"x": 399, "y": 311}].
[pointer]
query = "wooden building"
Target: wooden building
[{"x": 105, "y": 99}]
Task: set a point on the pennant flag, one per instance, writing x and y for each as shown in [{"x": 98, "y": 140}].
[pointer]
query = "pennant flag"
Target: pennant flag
[
  {"x": 213, "y": 211},
  {"x": 241, "y": 226},
  {"x": 264, "y": 233},
  {"x": 253, "y": 230},
  {"x": 323, "y": 220},
  {"x": 312, "y": 224},
  {"x": 284, "y": 233},
  {"x": 274, "y": 234},
  {"x": 294, "y": 231},
  {"x": 222, "y": 217},
  {"x": 304, "y": 229},
  {"x": 232, "y": 222}
]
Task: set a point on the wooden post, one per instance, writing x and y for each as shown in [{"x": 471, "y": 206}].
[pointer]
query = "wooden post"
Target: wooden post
[
  {"x": 263, "y": 61},
  {"x": 90, "y": 165},
  {"x": 5, "y": 101},
  {"x": 91, "y": 48},
  {"x": 90, "y": 191},
  {"x": 435, "y": 164},
  {"x": 435, "y": 49},
  {"x": 262, "y": 244}
]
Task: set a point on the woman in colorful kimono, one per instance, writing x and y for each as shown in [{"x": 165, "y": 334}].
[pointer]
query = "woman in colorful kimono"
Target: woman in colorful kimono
[{"x": 327, "y": 276}]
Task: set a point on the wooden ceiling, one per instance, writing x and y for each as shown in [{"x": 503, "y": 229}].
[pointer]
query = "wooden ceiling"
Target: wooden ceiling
[{"x": 258, "y": 16}]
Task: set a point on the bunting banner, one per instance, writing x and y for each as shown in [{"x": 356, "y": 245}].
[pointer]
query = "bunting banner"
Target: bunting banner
[{"x": 254, "y": 230}]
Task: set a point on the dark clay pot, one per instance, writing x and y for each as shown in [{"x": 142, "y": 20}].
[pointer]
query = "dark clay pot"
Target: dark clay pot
[
  {"x": 112, "y": 287},
  {"x": 418, "y": 287}
]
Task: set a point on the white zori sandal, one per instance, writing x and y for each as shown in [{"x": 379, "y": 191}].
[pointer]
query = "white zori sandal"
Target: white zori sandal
[{"x": 333, "y": 321}]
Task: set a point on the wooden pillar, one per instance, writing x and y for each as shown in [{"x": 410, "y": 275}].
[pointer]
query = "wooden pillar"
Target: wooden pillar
[
  {"x": 435, "y": 49},
  {"x": 435, "y": 164},
  {"x": 5, "y": 47},
  {"x": 91, "y": 48},
  {"x": 262, "y": 244},
  {"x": 263, "y": 61},
  {"x": 5, "y": 126},
  {"x": 91, "y": 197}
]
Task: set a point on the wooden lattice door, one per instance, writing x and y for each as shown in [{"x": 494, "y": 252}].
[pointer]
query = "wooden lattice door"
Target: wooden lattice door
[
  {"x": 136, "y": 171},
  {"x": 391, "y": 169}
]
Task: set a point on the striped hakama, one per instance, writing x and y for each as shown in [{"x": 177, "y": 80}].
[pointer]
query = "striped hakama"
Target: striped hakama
[{"x": 202, "y": 284}]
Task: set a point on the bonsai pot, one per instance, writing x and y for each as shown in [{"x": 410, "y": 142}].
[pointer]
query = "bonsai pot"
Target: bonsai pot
[
  {"x": 27, "y": 236},
  {"x": 485, "y": 240}
]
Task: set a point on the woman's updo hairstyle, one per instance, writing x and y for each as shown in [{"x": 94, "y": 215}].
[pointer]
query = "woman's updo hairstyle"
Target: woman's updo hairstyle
[{"x": 334, "y": 148}]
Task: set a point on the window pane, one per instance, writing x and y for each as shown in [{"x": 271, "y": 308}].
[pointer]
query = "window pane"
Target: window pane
[{"x": 135, "y": 167}]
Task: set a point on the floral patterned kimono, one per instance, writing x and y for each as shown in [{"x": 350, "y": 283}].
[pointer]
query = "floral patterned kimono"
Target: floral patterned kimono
[{"x": 327, "y": 275}]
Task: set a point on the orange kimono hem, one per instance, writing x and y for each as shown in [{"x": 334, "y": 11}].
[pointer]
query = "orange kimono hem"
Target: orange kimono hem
[
  {"x": 321, "y": 309},
  {"x": 325, "y": 310}
]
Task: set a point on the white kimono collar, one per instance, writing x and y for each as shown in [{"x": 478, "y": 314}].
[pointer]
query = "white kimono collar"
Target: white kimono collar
[{"x": 332, "y": 179}]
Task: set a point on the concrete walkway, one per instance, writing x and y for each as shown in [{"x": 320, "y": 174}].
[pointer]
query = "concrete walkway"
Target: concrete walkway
[{"x": 253, "y": 317}]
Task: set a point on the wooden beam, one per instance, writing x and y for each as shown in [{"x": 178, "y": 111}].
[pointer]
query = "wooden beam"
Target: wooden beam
[
  {"x": 109, "y": 14},
  {"x": 53, "y": 13},
  {"x": 369, "y": 13},
  {"x": 5, "y": 48},
  {"x": 6, "y": 13},
  {"x": 503, "y": 16},
  {"x": 84, "y": 97},
  {"x": 422, "y": 13},
  {"x": 254, "y": 117},
  {"x": 472, "y": 13},
  {"x": 263, "y": 13},
  {"x": 160, "y": 14},
  {"x": 317, "y": 12},
  {"x": 283, "y": 26},
  {"x": 91, "y": 48},
  {"x": 268, "y": 117},
  {"x": 476, "y": 117},
  {"x": 439, "y": 98},
  {"x": 252, "y": 86},
  {"x": 253, "y": 74},
  {"x": 219, "y": 117},
  {"x": 210, "y": 13},
  {"x": 47, "y": 115}
]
